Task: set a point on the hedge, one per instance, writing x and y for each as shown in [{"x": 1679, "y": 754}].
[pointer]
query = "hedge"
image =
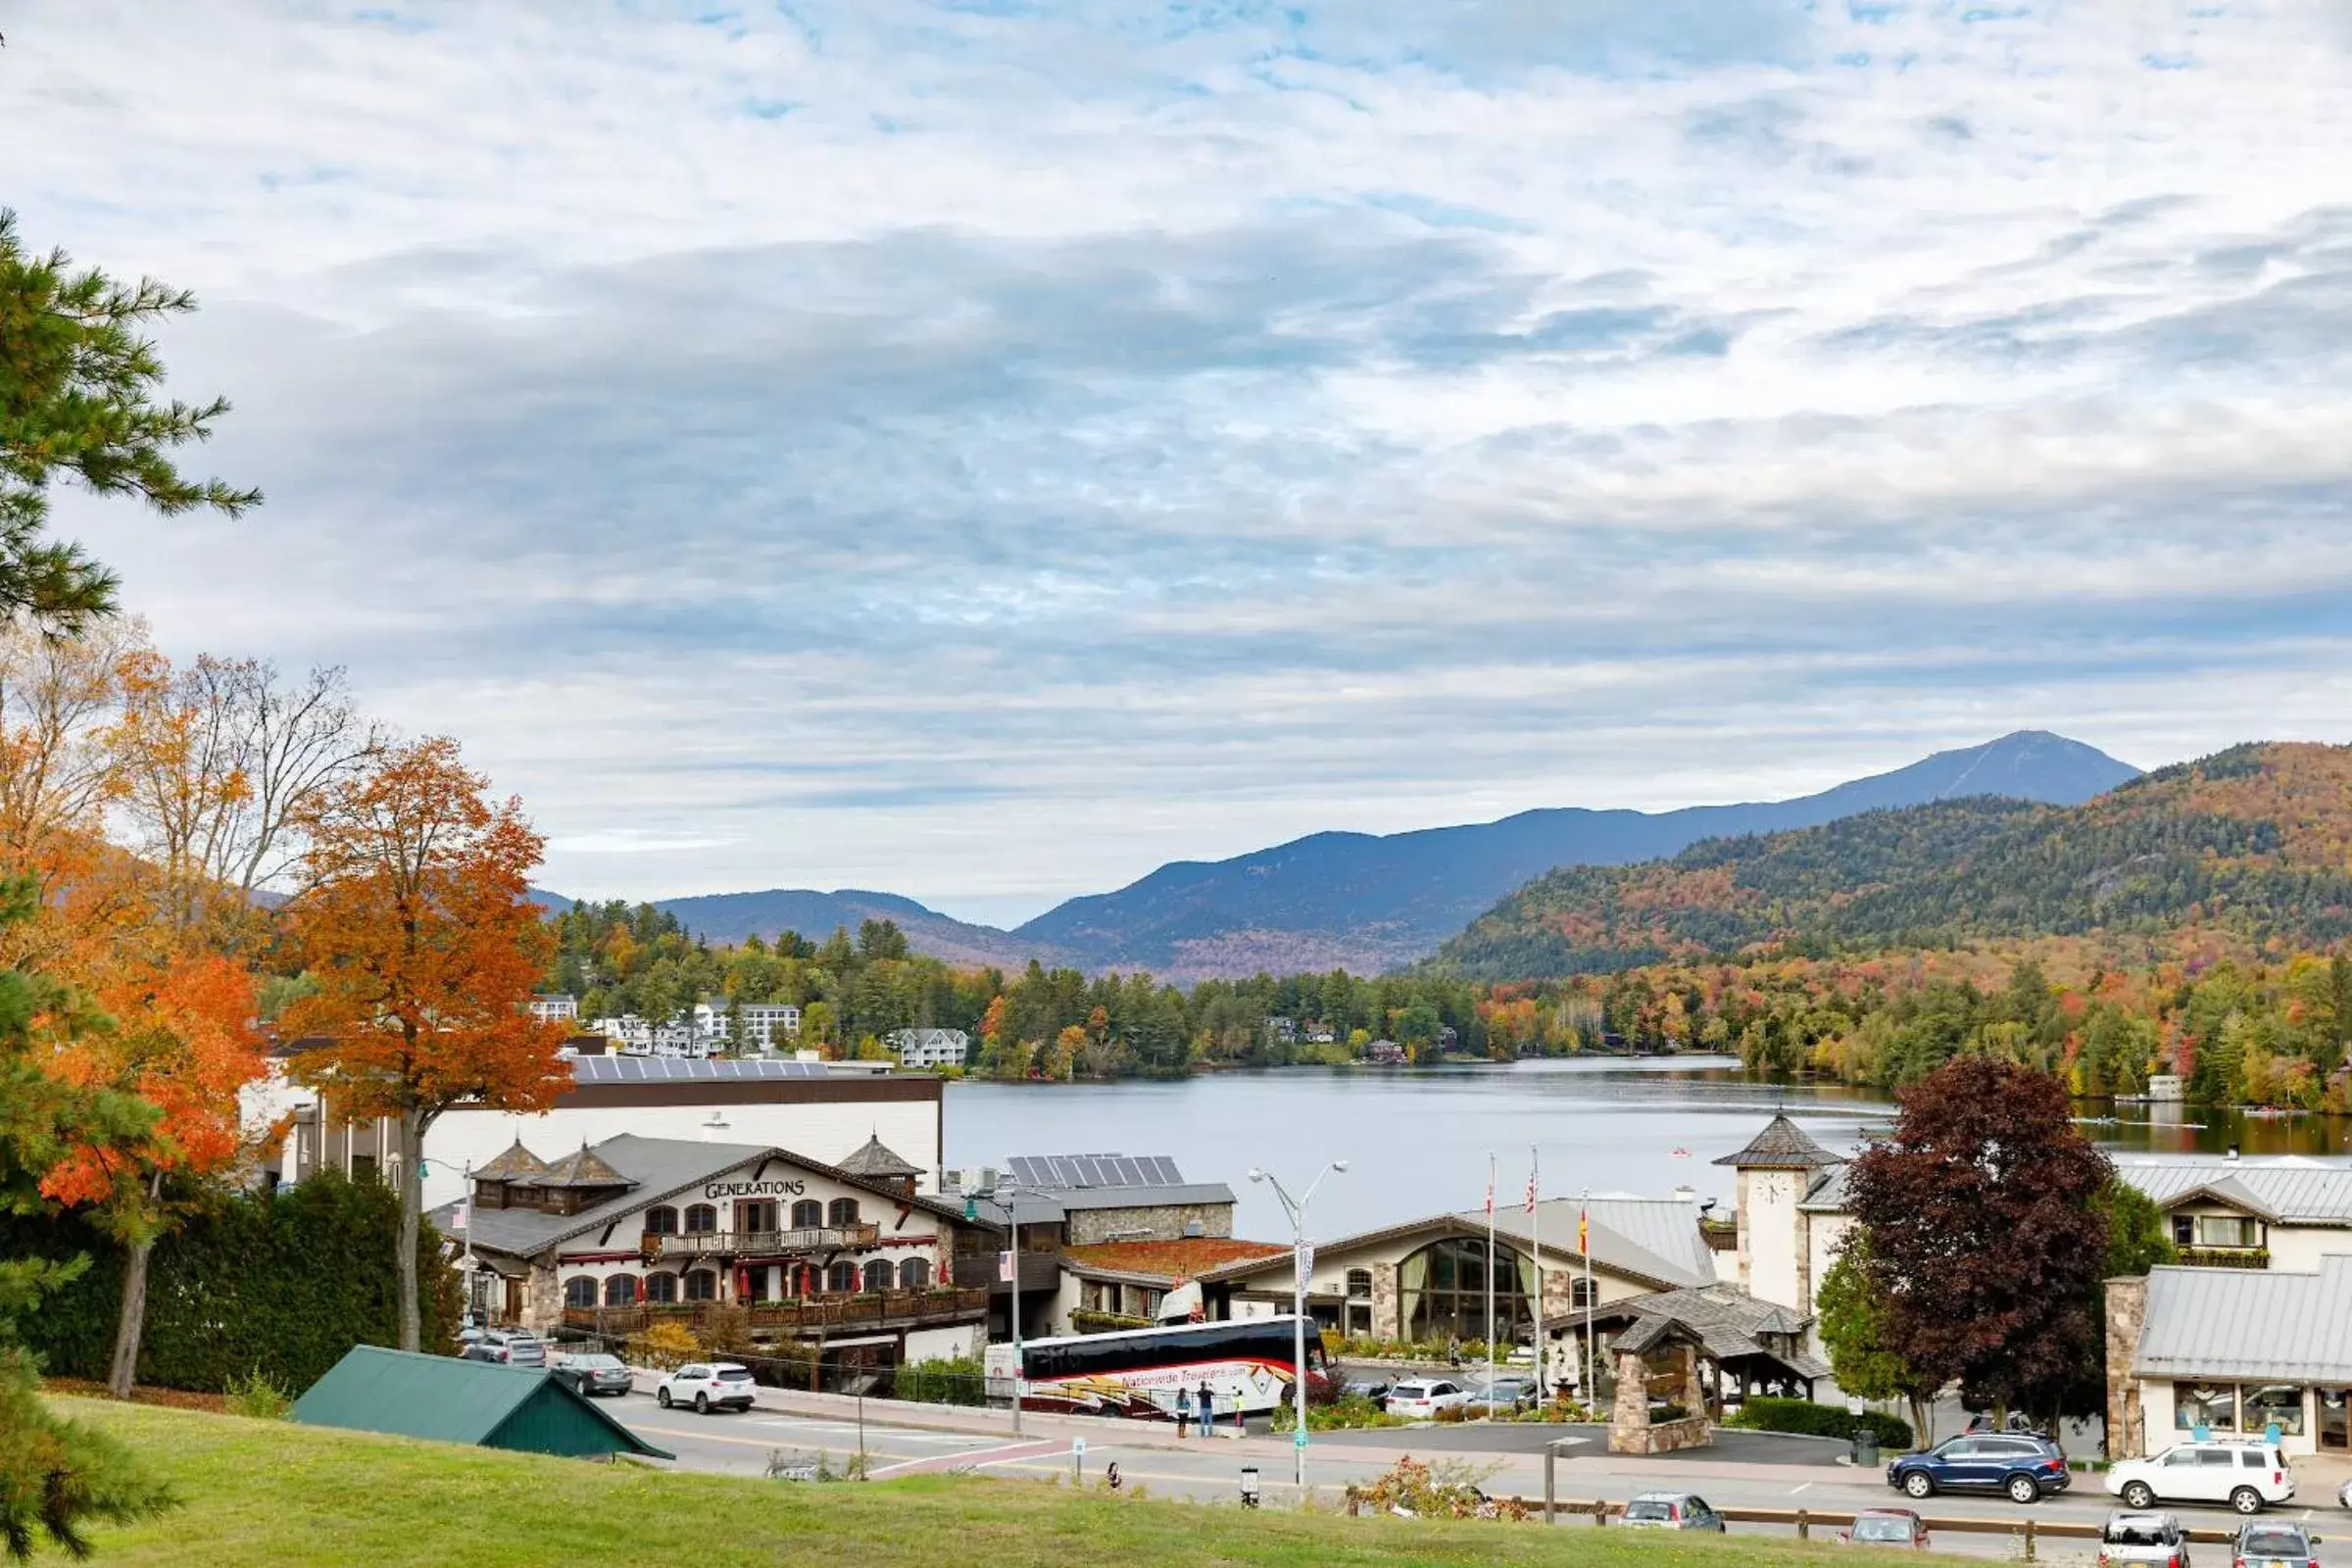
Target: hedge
[
  {"x": 283, "y": 1285},
  {"x": 1764, "y": 1413}
]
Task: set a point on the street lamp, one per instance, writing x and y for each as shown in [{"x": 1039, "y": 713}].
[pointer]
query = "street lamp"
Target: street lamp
[
  {"x": 1301, "y": 1256},
  {"x": 1001, "y": 1196}
]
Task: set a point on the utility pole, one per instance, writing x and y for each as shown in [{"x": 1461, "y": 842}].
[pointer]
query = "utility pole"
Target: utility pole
[
  {"x": 1004, "y": 1196},
  {"x": 1303, "y": 1257}
]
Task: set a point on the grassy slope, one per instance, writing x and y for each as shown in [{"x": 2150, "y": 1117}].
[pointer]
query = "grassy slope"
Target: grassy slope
[{"x": 271, "y": 1493}]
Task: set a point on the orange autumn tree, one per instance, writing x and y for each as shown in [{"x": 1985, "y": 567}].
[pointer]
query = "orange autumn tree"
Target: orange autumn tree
[
  {"x": 417, "y": 926},
  {"x": 179, "y": 1036}
]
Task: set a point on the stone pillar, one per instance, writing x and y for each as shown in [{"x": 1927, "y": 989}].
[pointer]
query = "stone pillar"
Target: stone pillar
[
  {"x": 1695, "y": 1391},
  {"x": 1628, "y": 1417},
  {"x": 1386, "y": 1324},
  {"x": 1804, "y": 1252},
  {"x": 2126, "y": 1314},
  {"x": 542, "y": 1300}
]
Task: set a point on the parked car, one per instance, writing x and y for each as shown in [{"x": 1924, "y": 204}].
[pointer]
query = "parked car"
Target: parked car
[
  {"x": 2247, "y": 1476},
  {"x": 1424, "y": 1398},
  {"x": 2275, "y": 1545},
  {"x": 478, "y": 1352},
  {"x": 1375, "y": 1389},
  {"x": 1508, "y": 1392},
  {"x": 596, "y": 1374},
  {"x": 1887, "y": 1527},
  {"x": 2143, "y": 1537},
  {"x": 514, "y": 1346},
  {"x": 707, "y": 1386},
  {"x": 2019, "y": 1424},
  {"x": 1671, "y": 1510},
  {"x": 2024, "y": 1469}
]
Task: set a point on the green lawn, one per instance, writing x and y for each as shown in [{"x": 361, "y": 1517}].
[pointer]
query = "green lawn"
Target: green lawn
[{"x": 268, "y": 1493}]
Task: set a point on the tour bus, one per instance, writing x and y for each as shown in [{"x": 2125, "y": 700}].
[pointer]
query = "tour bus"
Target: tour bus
[{"x": 1140, "y": 1372}]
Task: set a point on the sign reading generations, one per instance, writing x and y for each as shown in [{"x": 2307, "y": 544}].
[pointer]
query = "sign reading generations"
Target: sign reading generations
[{"x": 753, "y": 1189}]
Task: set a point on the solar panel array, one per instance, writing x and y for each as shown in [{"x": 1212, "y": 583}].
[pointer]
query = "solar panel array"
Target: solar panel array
[
  {"x": 684, "y": 1070},
  {"x": 1095, "y": 1170}
]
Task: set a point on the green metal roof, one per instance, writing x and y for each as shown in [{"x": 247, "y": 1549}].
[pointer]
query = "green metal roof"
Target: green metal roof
[{"x": 477, "y": 1403}]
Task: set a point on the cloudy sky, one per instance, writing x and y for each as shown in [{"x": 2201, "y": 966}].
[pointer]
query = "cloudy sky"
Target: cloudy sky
[{"x": 984, "y": 450}]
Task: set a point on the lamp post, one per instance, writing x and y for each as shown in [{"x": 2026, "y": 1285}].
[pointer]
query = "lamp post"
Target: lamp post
[
  {"x": 1002, "y": 1196},
  {"x": 1300, "y": 1258}
]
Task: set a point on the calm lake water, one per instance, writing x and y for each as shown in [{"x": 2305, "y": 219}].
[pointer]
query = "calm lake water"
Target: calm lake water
[{"x": 1417, "y": 1142}]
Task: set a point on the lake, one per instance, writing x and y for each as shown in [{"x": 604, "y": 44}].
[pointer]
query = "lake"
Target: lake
[{"x": 1417, "y": 1141}]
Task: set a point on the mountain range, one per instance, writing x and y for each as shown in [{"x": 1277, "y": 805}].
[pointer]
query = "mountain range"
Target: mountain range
[
  {"x": 1371, "y": 903},
  {"x": 2244, "y": 851}
]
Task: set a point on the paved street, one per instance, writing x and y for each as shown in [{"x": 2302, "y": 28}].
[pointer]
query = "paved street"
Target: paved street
[{"x": 1747, "y": 1471}]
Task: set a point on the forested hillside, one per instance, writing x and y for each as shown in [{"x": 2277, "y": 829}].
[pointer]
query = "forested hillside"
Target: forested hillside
[{"x": 2251, "y": 846}]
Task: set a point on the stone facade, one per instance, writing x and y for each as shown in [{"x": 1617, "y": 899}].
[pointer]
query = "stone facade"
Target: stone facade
[
  {"x": 543, "y": 1301},
  {"x": 1385, "y": 1323},
  {"x": 1165, "y": 1222},
  {"x": 2126, "y": 1314},
  {"x": 1631, "y": 1430}
]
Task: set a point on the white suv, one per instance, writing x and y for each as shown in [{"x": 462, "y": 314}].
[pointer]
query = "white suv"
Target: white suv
[
  {"x": 707, "y": 1386},
  {"x": 1424, "y": 1398},
  {"x": 2248, "y": 1476}
]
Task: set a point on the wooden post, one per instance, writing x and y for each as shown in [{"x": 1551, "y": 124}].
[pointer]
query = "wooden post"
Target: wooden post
[
  {"x": 1804, "y": 1525},
  {"x": 1601, "y": 1511},
  {"x": 1550, "y": 1456},
  {"x": 2028, "y": 1537}
]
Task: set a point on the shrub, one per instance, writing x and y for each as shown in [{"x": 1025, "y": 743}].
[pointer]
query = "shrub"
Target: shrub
[
  {"x": 955, "y": 1380},
  {"x": 1763, "y": 1413},
  {"x": 1346, "y": 1413},
  {"x": 1446, "y": 1489},
  {"x": 665, "y": 1346},
  {"x": 726, "y": 1332},
  {"x": 258, "y": 1396}
]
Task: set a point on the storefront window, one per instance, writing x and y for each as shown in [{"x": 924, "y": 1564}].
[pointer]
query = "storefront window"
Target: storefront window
[
  {"x": 1443, "y": 1291},
  {"x": 2278, "y": 1404},
  {"x": 702, "y": 1286},
  {"x": 620, "y": 1291},
  {"x": 662, "y": 1287},
  {"x": 2207, "y": 1405},
  {"x": 579, "y": 1291}
]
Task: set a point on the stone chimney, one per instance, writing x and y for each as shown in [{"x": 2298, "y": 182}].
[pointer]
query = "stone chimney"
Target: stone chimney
[{"x": 2126, "y": 1315}]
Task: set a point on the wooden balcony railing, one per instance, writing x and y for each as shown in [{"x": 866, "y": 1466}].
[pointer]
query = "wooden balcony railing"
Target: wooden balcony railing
[
  {"x": 757, "y": 1243},
  {"x": 879, "y": 1309}
]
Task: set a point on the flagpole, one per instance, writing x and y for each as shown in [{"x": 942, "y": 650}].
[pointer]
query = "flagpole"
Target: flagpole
[
  {"x": 1490, "y": 1287},
  {"x": 1584, "y": 1245},
  {"x": 1535, "y": 1243}
]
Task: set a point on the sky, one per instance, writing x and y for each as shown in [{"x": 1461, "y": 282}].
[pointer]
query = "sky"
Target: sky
[{"x": 984, "y": 450}]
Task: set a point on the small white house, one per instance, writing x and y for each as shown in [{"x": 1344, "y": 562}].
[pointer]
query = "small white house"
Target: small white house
[
  {"x": 556, "y": 1007},
  {"x": 929, "y": 1047}
]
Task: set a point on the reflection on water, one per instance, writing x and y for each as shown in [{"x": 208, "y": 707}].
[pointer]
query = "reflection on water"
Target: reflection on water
[{"x": 1417, "y": 1142}]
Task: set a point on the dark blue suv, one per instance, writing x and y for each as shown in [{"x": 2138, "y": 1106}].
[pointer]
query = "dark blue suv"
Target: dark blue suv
[{"x": 2025, "y": 1469}]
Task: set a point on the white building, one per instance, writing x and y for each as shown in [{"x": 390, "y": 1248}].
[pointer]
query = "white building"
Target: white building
[
  {"x": 803, "y": 1105},
  {"x": 929, "y": 1047},
  {"x": 556, "y": 1007},
  {"x": 2224, "y": 1352},
  {"x": 767, "y": 1025}
]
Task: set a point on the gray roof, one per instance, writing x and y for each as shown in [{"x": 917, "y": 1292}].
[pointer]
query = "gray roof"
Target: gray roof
[
  {"x": 1649, "y": 1237},
  {"x": 2251, "y": 1324},
  {"x": 2296, "y": 1192},
  {"x": 879, "y": 1161},
  {"x": 686, "y": 1070},
  {"x": 1781, "y": 1145},
  {"x": 658, "y": 1169},
  {"x": 1048, "y": 1187},
  {"x": 1726, "y": 1319}
]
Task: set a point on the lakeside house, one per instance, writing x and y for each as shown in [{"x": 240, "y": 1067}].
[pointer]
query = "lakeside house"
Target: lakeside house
[
  {"x": 613, "y": 1236},
  {"x": 919, "y": 1048},
  {"x": 556, "y": 1007}
]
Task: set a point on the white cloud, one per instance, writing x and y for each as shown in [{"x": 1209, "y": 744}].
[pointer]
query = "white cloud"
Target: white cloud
[{"x": 983, "y": 455}]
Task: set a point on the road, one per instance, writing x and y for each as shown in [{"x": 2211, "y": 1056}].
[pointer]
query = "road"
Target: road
[{"x": 1764, "y": 1471}]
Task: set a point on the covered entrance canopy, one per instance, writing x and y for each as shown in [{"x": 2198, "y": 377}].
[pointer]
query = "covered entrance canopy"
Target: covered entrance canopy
[{"x": 1753, "y": 1346}]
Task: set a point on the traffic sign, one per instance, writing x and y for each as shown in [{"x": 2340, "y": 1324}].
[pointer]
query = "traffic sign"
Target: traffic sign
[
  {"x": 1299, "y": 1439},
  {"x": 1078, "y": 1448}
]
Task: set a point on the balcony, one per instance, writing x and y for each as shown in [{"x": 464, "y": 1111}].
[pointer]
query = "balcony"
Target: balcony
[
  {"x": 869, "y": 1310},
  {"x": 2226, "y": 1256},
  {"x": 672, "y": 1249}
]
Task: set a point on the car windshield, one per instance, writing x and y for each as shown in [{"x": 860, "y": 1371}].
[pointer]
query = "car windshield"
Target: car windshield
[
  {"x": 2136, "y": 1533},
  {"x": 1413, "y": 1390},
  {"x": 1649, "y": 1508},
  {"x": 1867, "y": 1528},
  {"x": 2271, "y": 1543},
  {"x": 597, "y": 1363},
  {"x": 734, "y": 1374}
]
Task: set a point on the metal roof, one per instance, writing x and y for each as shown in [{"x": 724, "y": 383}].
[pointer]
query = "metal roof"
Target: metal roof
[
  {"x": 2251, "y": 1324},
  {"x": 2305, "y": 1193},
  {"x": 1095, "y": 1170},
  {"x": 1726, "y": 1319},
  {"x": 617, "y": 1069},
  {"x": 1783, "y": 1145},
  {"x": 445, "y": 1400},
  {"x": 1678, "y": 1262}
]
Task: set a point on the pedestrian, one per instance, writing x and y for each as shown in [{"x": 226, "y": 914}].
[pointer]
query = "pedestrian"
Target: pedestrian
[
  {"x": 1184, "y": 1412},
  {"x": 1207, "y": 1410}
]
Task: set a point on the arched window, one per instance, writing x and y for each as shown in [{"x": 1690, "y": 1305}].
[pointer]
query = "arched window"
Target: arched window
[
  {"x": 702, "y": 1286},
  {"x": 1441, "y": 1292},
  {"x": 1359, "y": 1283},
  {"x": 661, "y": 1220},
  {"x": 660, "y": 1288},
  {"x": 807, "y": 1214},
  {"x": 700, "y": 1218},
  {"x": 579, "y": 1291},
  {"x": 1584, "y": 1294},
  {"x": 842, "y": 1212},
  {"x": 878, "y": 1275},
  {"x": 914, "y": 1274},
  {"x": 620, "y": 1290},
  {"x": 842, "y": 1278}
]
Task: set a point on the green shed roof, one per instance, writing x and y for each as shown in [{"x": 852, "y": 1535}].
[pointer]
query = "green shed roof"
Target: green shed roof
[{"x": 450, "y": 1401}]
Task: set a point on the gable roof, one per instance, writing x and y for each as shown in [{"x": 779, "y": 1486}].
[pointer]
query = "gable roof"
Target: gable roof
[
  {"x": 1667, "y": 1261},
  {"x": 662, "y": 1168},
  {"x": 516, "y": 1162},
  {"x": 2256, "y": 1324},
  {"x": 1725, "y": 1320},
  {"x": 2229, "y": 1192},
  {"x": 580, "y": 1169},
  {"x": 1781, "y": 1145},
  {"x": 446, "y": 1400},
  {"x": 2301, "y": 1192}
]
